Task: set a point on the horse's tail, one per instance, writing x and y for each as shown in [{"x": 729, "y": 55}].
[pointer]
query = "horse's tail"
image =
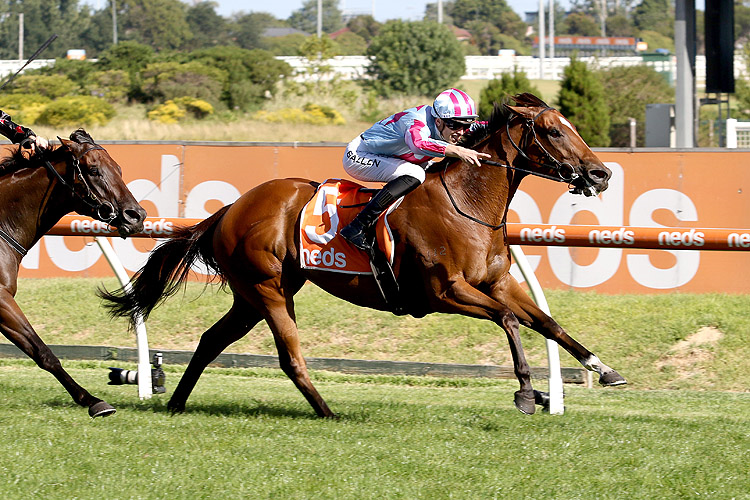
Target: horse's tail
[{"x": 166, "y": 270}]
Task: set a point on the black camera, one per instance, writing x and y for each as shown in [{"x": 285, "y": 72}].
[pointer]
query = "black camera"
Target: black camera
[{"x": 120, "y": 376}]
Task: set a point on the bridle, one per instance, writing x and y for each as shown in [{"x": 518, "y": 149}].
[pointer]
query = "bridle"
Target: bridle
[
  {"x": 565, "y": 172},
  {"x": 102, "y": 210}
]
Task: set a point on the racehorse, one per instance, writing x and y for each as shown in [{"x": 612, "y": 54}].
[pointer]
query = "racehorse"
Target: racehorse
[
  {"x": 36, "y": 191},
  {"x": 461, "y": 209}
]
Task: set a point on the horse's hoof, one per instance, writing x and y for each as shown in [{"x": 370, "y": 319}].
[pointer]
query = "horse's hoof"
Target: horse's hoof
[
  {"x": 611, "y": 379},
  {"x": 101, "y": 409},
  {"x": 542, "y": 399},
  {"x": 525, "y": 404},
  {"x": 175, "y": 408}
]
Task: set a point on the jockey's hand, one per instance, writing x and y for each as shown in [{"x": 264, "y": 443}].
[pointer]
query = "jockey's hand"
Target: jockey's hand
[
  {"x": 468, "y": 155},
  {"x": 34, "y": 143}
]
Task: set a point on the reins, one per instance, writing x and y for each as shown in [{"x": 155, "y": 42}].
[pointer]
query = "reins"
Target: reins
[
  {"x": 560, "y": 168},
  {"x": 90, "y": 200}
]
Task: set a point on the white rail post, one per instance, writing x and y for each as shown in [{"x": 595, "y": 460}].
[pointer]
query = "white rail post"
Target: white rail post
[
  {"x": 145, "y": 391},
  {"x": 732, "y": 133},
  {"x": 556, "y": 406}
]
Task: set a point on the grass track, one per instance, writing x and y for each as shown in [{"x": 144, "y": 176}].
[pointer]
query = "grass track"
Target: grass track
[{"x": 250, "y": 434}]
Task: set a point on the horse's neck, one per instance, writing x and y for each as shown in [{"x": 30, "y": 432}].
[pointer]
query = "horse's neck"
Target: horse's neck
[{"x": 30, "y": 206}]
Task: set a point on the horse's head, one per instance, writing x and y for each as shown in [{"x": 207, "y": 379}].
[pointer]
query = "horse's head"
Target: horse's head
[
  {"x": 553, "y": 147},
  {"x": 97, "y": 185}
]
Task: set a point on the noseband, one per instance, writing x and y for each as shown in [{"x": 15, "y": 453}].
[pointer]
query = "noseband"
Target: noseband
[{"x": 103, "y": 210}]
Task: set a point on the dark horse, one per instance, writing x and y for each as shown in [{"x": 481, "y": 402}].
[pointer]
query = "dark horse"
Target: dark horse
[
  {"x": 36, "y": 192},
  {"x": 252, "y": 245}
]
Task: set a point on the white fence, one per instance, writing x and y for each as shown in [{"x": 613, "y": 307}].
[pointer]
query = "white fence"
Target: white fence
[{"x": 490, "y": 67}]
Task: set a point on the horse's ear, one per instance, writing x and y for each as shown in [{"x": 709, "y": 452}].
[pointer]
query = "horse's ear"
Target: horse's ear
[
  {"x": 66, "y": 143},
  {"x": 520, "y": 110}
]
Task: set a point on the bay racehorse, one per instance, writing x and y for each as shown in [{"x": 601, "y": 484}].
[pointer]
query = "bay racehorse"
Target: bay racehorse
[
  {"x": 252, "y": 246},
  {"x": 35, "y": 192}
]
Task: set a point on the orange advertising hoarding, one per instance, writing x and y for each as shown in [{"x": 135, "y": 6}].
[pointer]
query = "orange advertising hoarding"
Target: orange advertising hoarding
[{"x": 684, "y": 189}]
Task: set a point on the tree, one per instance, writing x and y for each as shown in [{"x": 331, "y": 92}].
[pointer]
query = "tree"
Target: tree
[
  {"x": 579, "y": 24},
  {"x": 496, "y": 12},
  {"x": 655, "y": 15},
  {"x": 247, "y": 29},
  {"x": 208, "y": 28},
  {"x": 306, "y": 18},
  {"x": 581, "y": 100},
  {"x": 161, "y": 24},
  {"x": 415, "y": 58},
  {"x": 509, "y": 84},
  {"x": 629, "y": 89}
]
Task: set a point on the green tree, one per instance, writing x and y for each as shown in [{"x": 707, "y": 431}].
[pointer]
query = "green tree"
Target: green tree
[
  {"x": 247, "y": 29},
  {"x": 629, "y": 89},
  {"x": 207, "y": 27},
  {"x": 365, "y": 26},
  {"x": 66, "y": 18},
  {"x": 581, "y": 24},
  {"x": 415, "y": 58},
  {"x": 161, "y": 24},
  {"x": 742, "y": 89},
  {"x": 655, "y": 15},
  {"x": 509, "y": 84},
  {"x": 306, "y": 18},
  {"x": 351, "y": 44},
  {"x": 496, "y": 12},
  {"x": 582, "y": 100}
]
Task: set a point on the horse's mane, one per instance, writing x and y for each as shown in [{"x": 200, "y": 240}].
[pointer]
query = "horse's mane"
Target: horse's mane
[
  {"x": 17, "y": 160},
  {"x": 499, "y": 117}
]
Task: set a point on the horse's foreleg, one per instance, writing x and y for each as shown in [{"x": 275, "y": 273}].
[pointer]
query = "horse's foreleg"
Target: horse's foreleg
[
  {"x": 17, "y": 329},
  {"x": 279, "y": 313},
  {"x": 462, "y": 298},
  {"x": 530, "y": 315},
  {"x": 234, "y": 325}
]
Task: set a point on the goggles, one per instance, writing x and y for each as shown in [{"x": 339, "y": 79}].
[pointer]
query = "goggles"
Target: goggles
[{"x": 456, "y": 124}]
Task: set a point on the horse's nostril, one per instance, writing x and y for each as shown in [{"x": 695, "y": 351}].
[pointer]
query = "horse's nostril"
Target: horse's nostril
[
  {"x": 598, "y": 174},
  {"x": 133, "y": 216}
]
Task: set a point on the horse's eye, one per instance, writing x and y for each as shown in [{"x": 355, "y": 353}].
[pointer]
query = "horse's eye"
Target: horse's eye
[
  {"x": 554, "y": 132},
  {"x": 94, "y": 171}
]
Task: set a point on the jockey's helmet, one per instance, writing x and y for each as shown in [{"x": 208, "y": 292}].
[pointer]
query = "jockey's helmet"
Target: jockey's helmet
[{"x": 454, "y": 104}]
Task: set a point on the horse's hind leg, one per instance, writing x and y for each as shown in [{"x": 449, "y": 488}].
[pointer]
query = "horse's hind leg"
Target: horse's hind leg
[
  {"x": 279, "y": 314},
  {"x": 17, "y": 329},
  {"x": 234, "y": 325},
  {"x": 530, "y": 315}
]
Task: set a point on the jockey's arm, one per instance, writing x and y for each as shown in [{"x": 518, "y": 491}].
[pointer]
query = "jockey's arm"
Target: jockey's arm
[
  {"x": 19, "y": 134},
  {"x": 468, "y": 155}
]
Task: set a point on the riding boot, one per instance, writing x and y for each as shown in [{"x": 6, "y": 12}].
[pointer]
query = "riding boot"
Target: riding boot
[{"x": 357, "y": 232}]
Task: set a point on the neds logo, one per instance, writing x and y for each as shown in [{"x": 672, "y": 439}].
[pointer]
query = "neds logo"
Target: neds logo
[
  {"x": 328, "y": 258},
  {"x": 539, "y": 235}
]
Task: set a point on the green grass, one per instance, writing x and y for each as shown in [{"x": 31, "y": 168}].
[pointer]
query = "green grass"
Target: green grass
[
  {"x": 249, "y": 434},
  {"x": 639, "y": 335}
]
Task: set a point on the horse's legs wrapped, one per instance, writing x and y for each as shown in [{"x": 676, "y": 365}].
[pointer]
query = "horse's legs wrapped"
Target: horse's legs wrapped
[
  {"x": 234, "y": 325},
  {"x": 530, "y": 315}
]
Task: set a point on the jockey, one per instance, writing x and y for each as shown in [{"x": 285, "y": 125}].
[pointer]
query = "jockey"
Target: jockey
[
  {"x": 20, "y": 135},
  {"x": 397, "y": 151}
]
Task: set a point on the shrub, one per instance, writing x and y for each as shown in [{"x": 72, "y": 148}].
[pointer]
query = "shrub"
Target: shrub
[
  {"x": 52, "y": 86},
  {"x": 168, "y": 112},
  {"x": 174, "y": 110},
  {"x": 313, "y": 114},
  {"x": 581, "y": 98},
  {"x": 24, "y": 108},
  {"x": 112, "y": 85},
  {"x": 77, "y": 111},
  {"x": 169, "y": 80}
]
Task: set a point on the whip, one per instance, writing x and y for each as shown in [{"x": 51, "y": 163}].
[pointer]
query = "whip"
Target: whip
[{"x": 33, "y": 56}]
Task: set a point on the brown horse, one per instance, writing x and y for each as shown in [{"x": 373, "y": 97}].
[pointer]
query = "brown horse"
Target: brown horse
[
  {"x": 461, "y": 209},
  {"x": 36, "y": 192}
]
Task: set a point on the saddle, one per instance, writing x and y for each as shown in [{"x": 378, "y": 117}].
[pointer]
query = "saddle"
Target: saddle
[{"x": 335, "y": 204}]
